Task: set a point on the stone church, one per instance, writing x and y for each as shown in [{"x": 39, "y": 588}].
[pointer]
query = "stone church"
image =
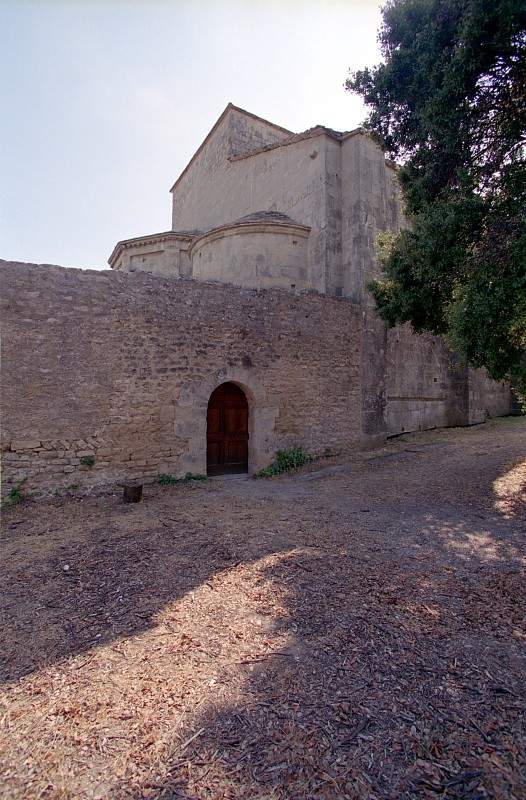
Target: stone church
[{"x": 245, "y": 328}]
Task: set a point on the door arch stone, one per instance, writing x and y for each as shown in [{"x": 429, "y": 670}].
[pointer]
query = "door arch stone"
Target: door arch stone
[{"x": 191, "y": 413}]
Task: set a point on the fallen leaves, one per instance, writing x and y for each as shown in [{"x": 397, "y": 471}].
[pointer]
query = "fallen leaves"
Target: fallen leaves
[{"x": 269, "y": 645}]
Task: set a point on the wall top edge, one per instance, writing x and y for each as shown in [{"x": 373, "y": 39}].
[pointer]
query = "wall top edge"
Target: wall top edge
[{"x": 17, "y": 275}]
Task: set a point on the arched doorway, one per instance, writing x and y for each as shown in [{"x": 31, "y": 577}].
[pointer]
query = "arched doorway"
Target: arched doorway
[{"x": 227, "y": 431}]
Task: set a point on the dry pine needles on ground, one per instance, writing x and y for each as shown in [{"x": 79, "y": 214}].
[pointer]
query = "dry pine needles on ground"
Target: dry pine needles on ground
[{"x": 351, "y": 633}]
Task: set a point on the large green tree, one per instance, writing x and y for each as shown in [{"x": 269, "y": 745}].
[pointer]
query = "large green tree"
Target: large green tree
[{"x": 449, "y": 103}]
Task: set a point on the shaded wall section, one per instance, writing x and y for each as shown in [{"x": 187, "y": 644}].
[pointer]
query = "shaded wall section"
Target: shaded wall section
[
  {"x": 428, "y": 387},
  {"x": 488, "y": 398},
  {"x": 119, "y": 367},
  {"x": 371, "y": 204}
]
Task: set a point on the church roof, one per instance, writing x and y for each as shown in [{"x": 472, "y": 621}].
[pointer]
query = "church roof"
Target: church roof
[
  {"x": 255, "y": 220},
  {"x": 310, "y": 133},
  {"x": 291, "y": 138},
  {"x": 266, "y": 216}
]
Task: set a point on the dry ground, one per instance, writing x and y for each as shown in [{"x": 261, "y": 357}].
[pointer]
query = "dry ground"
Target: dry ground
[{"x": 351, "y": 633}]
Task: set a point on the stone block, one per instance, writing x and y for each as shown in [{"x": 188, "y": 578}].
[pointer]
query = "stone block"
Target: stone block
[{"x": 25, "y": 444}]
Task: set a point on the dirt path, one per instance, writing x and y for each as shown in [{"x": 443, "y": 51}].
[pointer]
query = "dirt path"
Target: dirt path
[{"x": 354, "y": 631}]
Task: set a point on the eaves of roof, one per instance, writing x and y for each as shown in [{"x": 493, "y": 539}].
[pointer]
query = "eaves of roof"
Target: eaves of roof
[
  {"x": 312, "y": 133},
  {"x": 137, "y": 241}
]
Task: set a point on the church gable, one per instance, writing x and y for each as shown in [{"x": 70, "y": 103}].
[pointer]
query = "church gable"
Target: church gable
[
  {"x": 235, "y": 132},
  {"x": 248, "y": 132}
]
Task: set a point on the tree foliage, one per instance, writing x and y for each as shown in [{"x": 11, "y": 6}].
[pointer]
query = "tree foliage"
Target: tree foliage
[{"x": 449, "y": 103}]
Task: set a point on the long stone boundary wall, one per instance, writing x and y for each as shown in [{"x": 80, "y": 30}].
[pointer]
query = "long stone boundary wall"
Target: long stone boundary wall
[
  {"x": 106, "y": 376},
  {"x": 427, "y": 386}
]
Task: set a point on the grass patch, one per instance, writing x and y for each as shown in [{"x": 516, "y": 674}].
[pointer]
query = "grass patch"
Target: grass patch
[
  {"x": 87, "y": 461},
  {"x": 169, "y": 480},
  {"x": 286, "y": 461},
  {"x": 15, "y": 495},
  {"x": 67, "y": 491}
]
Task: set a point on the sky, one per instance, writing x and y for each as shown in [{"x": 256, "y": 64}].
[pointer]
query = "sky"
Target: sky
[{"x": 104, "y": 102}]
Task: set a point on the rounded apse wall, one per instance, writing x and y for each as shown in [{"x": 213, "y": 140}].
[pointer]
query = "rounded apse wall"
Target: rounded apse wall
[{"x": 260, "y": 251}]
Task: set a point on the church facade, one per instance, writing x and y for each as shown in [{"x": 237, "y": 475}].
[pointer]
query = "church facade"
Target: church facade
[
  {"x": 245, "y": 328},
  {"x": 261, "y": 207}
]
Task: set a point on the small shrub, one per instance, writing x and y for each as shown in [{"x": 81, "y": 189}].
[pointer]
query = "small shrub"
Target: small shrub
[
  {"x": 15, "y": 495},
  {"x": 286, "y": 461},
  {"x": 167, "y": 480},
  {"x": 67, "y": 491},
  {"x": 195, "y": 476},
  {"x": 87, "y": 461}
]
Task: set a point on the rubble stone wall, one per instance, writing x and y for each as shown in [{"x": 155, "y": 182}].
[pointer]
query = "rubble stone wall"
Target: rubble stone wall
[
  {"x": 117, "y": 368},
  {"x": 106, "y": 376}
]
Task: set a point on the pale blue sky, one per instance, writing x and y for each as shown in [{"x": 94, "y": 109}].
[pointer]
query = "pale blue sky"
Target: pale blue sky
[{"x": 104, "y": 102}]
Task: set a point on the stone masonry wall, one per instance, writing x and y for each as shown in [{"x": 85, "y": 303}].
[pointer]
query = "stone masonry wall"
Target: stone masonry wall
[
  {"x": 162, "y": 255},
  {"x": 487, "y": 398},
  {"x": 371, "y": 204},
  {"x": 120, "y": 367},
  {"x": 248, "y": 133},
  {"x": 427, "y": 387},
  {"x": 259, "y": 257}
]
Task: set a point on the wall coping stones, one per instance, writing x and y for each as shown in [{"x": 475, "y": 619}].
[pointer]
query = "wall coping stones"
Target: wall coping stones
[{"x": 138, "y": 285}]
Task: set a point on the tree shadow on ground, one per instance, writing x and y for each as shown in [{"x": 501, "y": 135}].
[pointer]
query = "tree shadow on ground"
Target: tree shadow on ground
[
  {"x": 393, "y": 668},
  {"x": 391, "y": 685},
  {"x": 68, "y": 590}
]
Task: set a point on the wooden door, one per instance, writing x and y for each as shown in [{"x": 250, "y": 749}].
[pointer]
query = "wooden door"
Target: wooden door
[{"x": 227, "y": 431}]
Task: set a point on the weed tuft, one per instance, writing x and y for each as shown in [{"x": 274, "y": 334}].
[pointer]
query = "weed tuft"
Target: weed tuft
[
  {"x": 286, "y": 461},
  {"x": 15, "y": 495},
  {"x": 169, "y": 480}
]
